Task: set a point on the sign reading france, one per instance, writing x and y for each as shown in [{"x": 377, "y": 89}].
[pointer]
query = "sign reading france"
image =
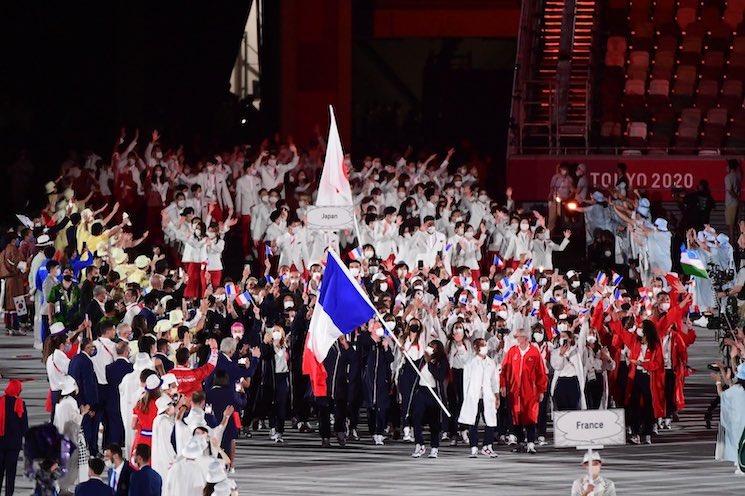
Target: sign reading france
[{"x": 589, "y": 428}]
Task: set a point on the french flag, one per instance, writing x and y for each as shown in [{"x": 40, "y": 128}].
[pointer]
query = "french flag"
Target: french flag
[
  {"x": 355, "y": 254},
  {"x": 503, "y": 284},
  {"x": 531, "y": 285},
  {"x": 268, "y": 250},
  {"x": 497, "y": 262},
  {"x": 601, "y": 279},
  {"x": 230, "y": 290},
  {"x": 528, "y": 264},
  {"x": 342, "y": 306},
  {"x": 244, "y": 299},
  {"x": 616, "y": 279}
]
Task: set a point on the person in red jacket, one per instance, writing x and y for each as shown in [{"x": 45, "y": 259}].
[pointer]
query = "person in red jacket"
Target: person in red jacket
[
  {"x": 190, "y": 380},
  {"x": 645, "y": 389},
  {"x": 524, "y": 381}
]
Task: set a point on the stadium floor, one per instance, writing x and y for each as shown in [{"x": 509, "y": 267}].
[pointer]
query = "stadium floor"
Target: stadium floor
[{"x": 679, "y": 462}]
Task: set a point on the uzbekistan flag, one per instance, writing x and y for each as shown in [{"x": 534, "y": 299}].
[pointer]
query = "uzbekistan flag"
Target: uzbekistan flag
[
  {"x": 692, "y": 264},
  {"x": 342, "y": 307}
]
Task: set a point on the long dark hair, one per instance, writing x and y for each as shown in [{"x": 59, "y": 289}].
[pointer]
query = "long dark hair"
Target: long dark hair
[
  {"x": 650, "y": 332},
  {"x": 439, "y": 350}
]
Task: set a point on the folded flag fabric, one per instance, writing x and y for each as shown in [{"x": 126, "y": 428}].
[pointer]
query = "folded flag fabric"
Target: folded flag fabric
[
  {"x": 230, "y": 290},
  {"x": 616, "y": 279},
  {"x": 692, "y": 264},
  {"x": 244, "y": 299},
  {"x": 601, "y": 279},
  {"x": 497, "y": 262},
  {"x": 355, "y": 254},
  {"x": 342, "y": 306},
  {"x": 268, "y": 250}
]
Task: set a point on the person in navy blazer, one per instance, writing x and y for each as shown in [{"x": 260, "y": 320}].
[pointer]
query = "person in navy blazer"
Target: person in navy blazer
[
  {"x": 15, "y": 425},
  {"x": 81, "y": 369},
  {"x": 145, "y": 481},
  {"x": 162, "y": 354},
  {"x": 235, "y": 371},
  {"x": 115, "y": 372},
  {"x": 94, "y": 486},
  {"x": 220, "y": 396},
  {"x": 119, "y": 472}
]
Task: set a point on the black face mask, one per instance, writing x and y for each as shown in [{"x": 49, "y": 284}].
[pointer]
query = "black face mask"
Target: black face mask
[{"x": 415, "y": 328}]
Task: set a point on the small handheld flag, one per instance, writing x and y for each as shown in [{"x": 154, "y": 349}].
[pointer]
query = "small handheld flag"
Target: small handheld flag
[
  {"x": 616, "y": 279},
  {"x": 268, "y": 250},
  {"x": 230, "y": 290},
  {"x": 355, "y": 254},
  {"x": 601, "y": 279},
  {"x": 244, "y": 299},
  {"x": 692, "y": 264},
  {"x": 497, "y": 262}
]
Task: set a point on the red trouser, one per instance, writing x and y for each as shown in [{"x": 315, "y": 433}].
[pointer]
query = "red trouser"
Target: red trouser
[
  {"x": 195, "y": 285},
  {"x": 214, "y": 277},
  {"x": 246, "y": 240}
]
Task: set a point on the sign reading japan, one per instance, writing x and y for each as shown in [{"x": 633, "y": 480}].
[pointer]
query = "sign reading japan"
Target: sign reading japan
[
  {"x": 331, "y": 218},
  {"x": 589, "y": 428}
]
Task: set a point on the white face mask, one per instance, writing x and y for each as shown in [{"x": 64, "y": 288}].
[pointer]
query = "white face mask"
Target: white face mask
[
  {"x": 265, "y": 198},
  {"x": 562, "y": 341},
  {"x": 524, "y": 226},
  {"x": 180, "y": 203},
  {"x": 656, "y": 290},
  {"x": 542, "y": 281},
  {"x": 483, "y": 351},
  {"x": 483, "y": 198},
  {"x": 276, "y": 335},
  {"x": 211, "y": 234},
  {"x": 355, "y": 271},
  {"x": 380, "y": 332},
  {"x": 429, "y": 350},
  {"x": 665, "y": 306},
  {"x": 484, "y": 286},
  {"x": 591, "y": 339},
  {"x": 288, "y": 304},
  {"x": 639, "y": 332},
  {"x": 431, "y": 229},
  {"x": 575, "y": 284},
  {"x": 538, "y": 337},
  {"x": 384, "y": 286}
]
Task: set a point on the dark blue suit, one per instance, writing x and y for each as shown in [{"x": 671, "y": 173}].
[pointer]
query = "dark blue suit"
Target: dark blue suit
[
  {"x": 81, "y": 369},
  {"x": 145, "y": 482},
  {"x": 150, "y": 317},
  {"x": 220, "y": 398},
  {"x": 93, "y": 487},
  {"x": 115, "y": 372},
  {"x": 122, "y": 483},
  {"x": 11, "y": 443}
]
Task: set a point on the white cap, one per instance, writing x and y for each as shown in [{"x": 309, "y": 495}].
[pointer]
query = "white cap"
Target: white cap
[
  {"x": 571, "y": 274},
  {"x": 152, "y": 382},
  {"x": 595, "y": 457},
  {"x": 143, "y": 361},
  {"x": 165, "y": 300},
  {"x": 168, "y": 379},
  {"x": 49, "y": 187},
  {"x": 69, "y": 385},
  {"x": 163, "y": 325},
  {"x": 118, "y": 255},
  {"x": 57, "y": 328},
  {"x": 176, "y": 316},
  {"x": 661, "y": 224}
]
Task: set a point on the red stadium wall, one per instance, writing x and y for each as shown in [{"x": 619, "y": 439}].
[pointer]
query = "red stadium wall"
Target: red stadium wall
[
  {"x": 316, "y": 39},
  {"x": 530, "y": 176}
]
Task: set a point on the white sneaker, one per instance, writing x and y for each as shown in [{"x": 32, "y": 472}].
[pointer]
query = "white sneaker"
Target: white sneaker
[
  {"x": 647, "y": 439},
  {"x": 530, "y": 448},
  {"x": 464, "y": 435},
  {"x": 378, "y": 438},
  {"x": 433, "y": 453},
  {"x": 488, "y": 451},
  {"x": 655, "y": 429},
  {"x": 454, "y": 441},
  {"x": 274, "y": 436},
  {"x": 407, "y": 435},
  {"x": 474, "y": 452},
  {"x": 444, "y": 436},
  {"x": 278, "y": 439},
  {"x": 542, "y": 441},
  {"x": 355, "y": 435},
  {"x": 511, "y": 440},
  {"x": 272, "y": 432},
  {"x": 38, "y": 345},
  {"x": 669, "y": 424},
  {"x": 702, "y": 321},
  {"x": 419, "y": 450}
]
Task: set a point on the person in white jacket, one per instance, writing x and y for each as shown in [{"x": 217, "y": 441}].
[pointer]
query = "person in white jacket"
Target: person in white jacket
[
  {"x": 214, "y": 245},
  {"x": 186, "y": 476},
  {"x": 480, "y": 398},
  {"x": 130, "y": 391},
  {"x": 567, "y": 360},
  {"x": 293, "y": 246},
  {"x": 544, "y": 247},
  {"x": 247, "y": 195},
  {"x": 163, "y": 455}
]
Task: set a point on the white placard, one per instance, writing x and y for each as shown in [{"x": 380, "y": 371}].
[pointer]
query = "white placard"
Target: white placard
[
  {"x": 589, "y": 427},
  {"x": 332, "y": 218},
  {"x": 20, "y": 304}
]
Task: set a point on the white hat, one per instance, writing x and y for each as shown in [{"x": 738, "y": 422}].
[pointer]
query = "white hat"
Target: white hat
[
  {"x": 722, "y": 238},
  {"x": 142, "y": 261},
  {"x": 168, "y": 379},
  {"x": 571, "y": 274},
  {"x": 69, "y": 385},
  {"x": 57, "y": 328},
  {"x": 215, "y": 472},
  {"x": 224, "y": 488},
  {"x": 118, "y": 255},
  {"x": 68, "y": 193},
  {"x": 162, "y": 403},
  {"x": 43, "y": 240},
  {"x": 595, "y": 457},
  {"x": 49, "y": 187},
  {"x": 194, "y": 448},
  {"x": 152, "y": 382},
  {"x": 162, "y": 326},
  {"x": 661, "y": 224},
  {"x": 165, "y": 300},
  {"x": 176, "y": 316}
]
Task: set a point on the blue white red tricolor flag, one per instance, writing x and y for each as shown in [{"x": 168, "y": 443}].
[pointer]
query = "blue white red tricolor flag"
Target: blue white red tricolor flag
[
  {"x": 342, "y": 306},
  {"x": 244, "y": 299},
  {"x": 601, "y": 279},
  {"x": 230, "y": 290},
  {"x": 268, "y": 250},
  {"x": 616, "y": 279},
  {"x": 497, "y": 262},
  {"x": 355, "y": 254}
]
